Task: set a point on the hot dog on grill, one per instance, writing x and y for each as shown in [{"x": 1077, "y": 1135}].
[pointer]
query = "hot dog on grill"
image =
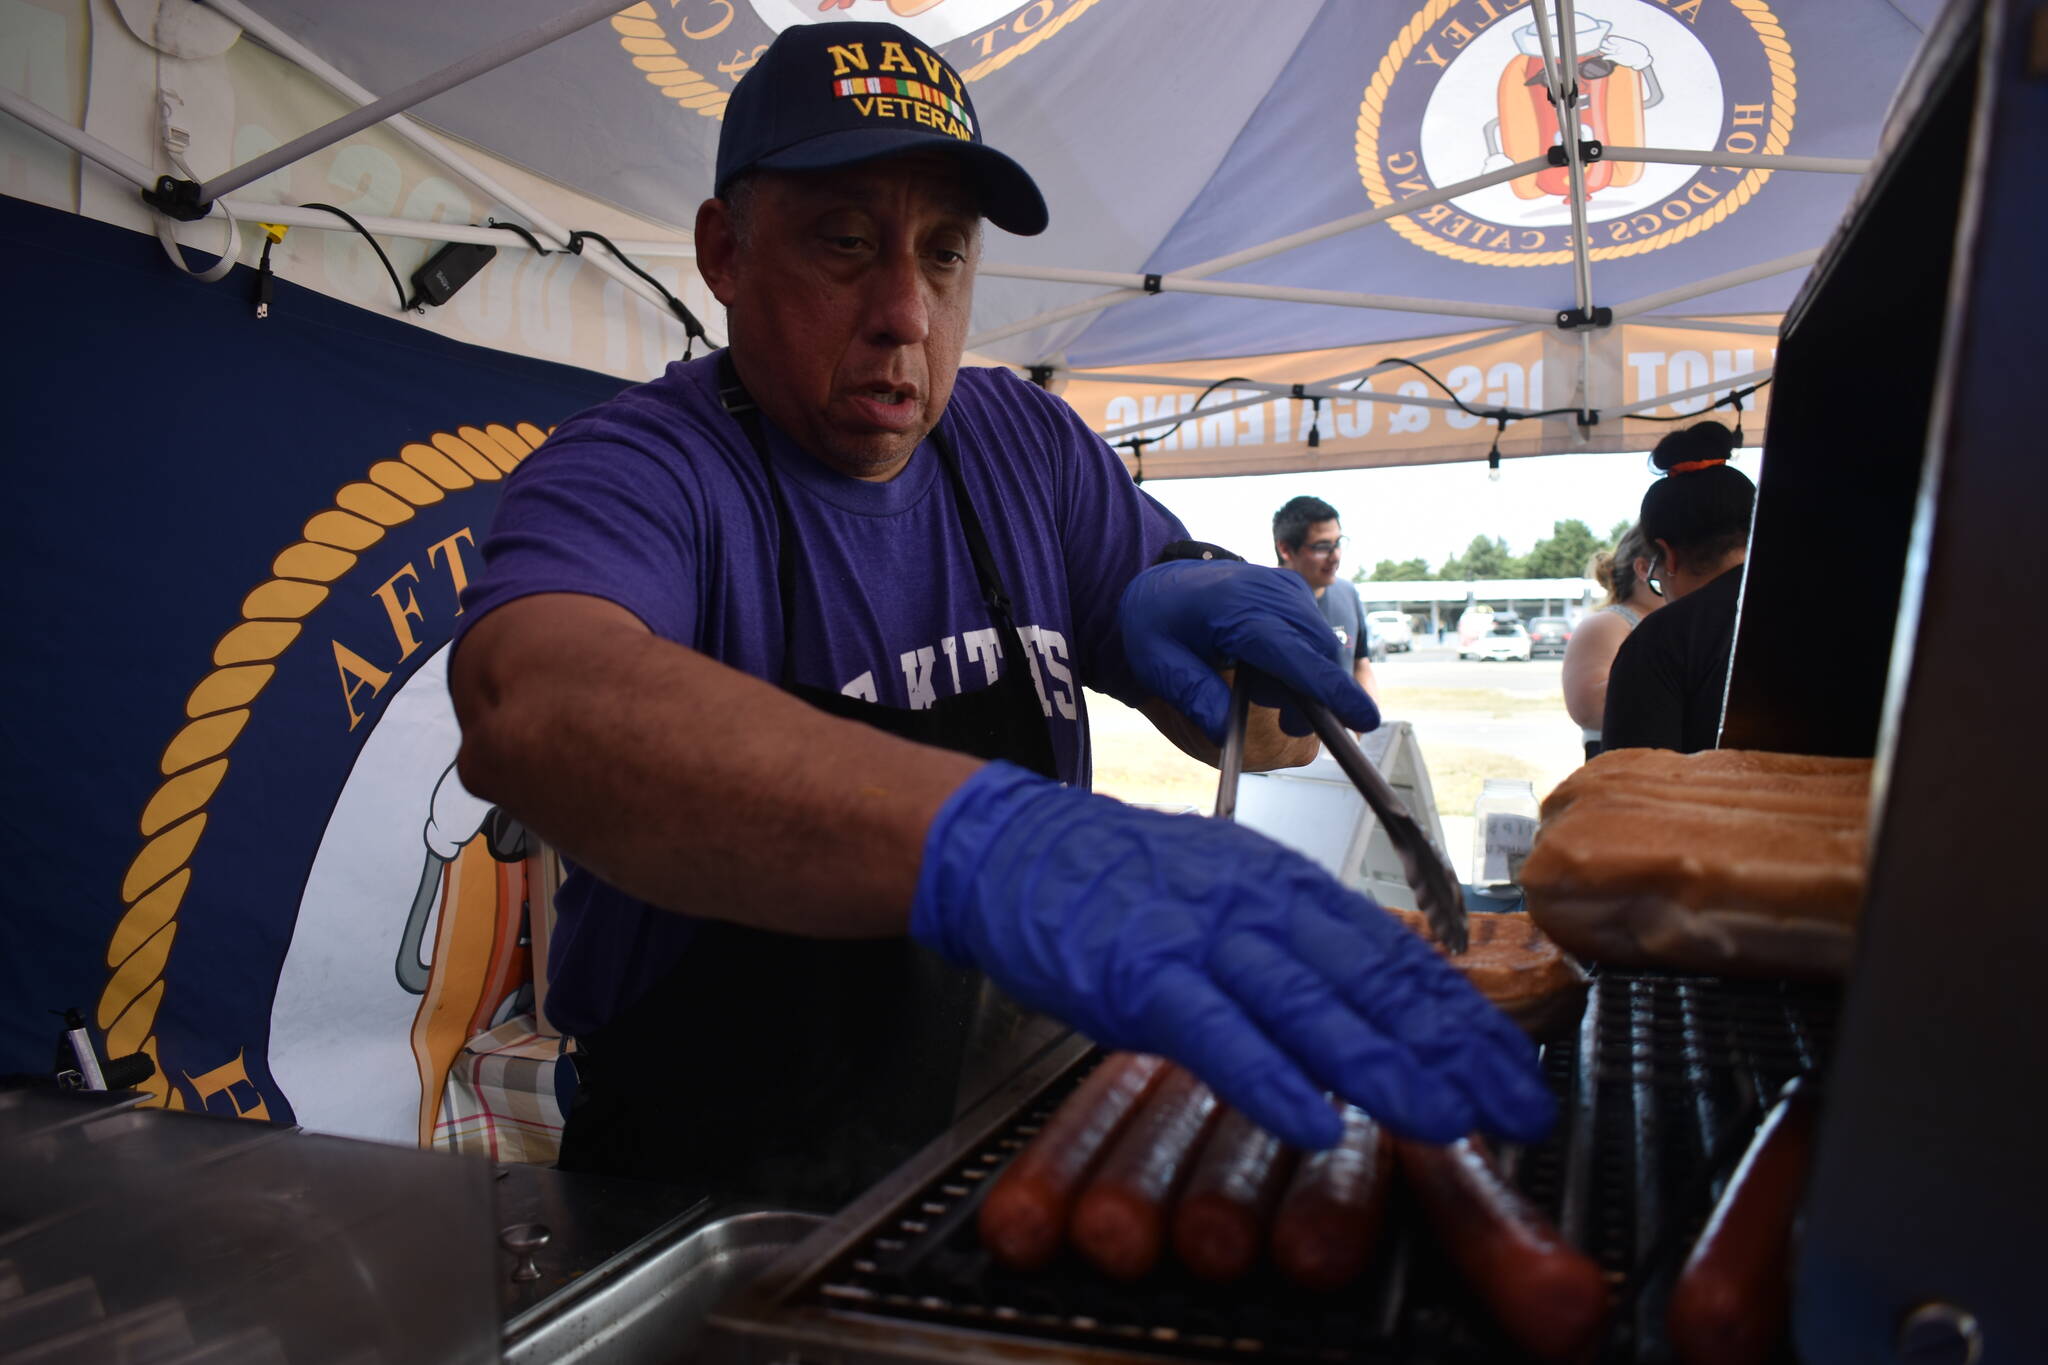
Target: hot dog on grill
[
  {"x": 1329, "y": 1221},
  {"x": 1546, "y": 1294},
  {"x": 1024, "y": 1215},
  {"x": 1220, "y": 1219},
  {"x": 1730, "y": 1302},
  {"x": 1119, "y": 1221}
]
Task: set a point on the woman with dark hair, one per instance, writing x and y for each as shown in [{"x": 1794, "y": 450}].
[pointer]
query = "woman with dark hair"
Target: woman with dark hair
[
  {"x": 1668, "y": 680},
  {"x": 1589, "y": 658}
]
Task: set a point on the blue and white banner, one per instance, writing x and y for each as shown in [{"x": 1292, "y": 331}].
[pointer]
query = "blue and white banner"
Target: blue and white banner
[{"x": 233, "y": 836}]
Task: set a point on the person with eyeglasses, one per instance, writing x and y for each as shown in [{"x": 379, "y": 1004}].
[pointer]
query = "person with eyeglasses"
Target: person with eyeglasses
[
  {"x": 1589, "y": 658},
  {"x": 1669, "y": 677},
  {"x": 1309, "y": 538}
]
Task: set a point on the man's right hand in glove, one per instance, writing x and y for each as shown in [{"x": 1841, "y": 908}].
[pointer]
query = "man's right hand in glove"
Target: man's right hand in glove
[{"x": 1215, "y": 946}]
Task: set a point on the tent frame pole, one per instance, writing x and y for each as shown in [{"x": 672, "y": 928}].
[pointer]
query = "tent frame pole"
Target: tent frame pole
[
  {"x": 1169, "y": 284},
  {"x": 434, "y": 148},
  {"x": 1764, "y": 161},
  {"x": 1734, "y": 381},
  {"x": 1561, "y": 63},
  {"x": 419, "y": 229},
  {"x": 77, "y": 139},
  {"x": 1798, "y": 260},
  {"x": 1309, "y": 236},
  {"x": 398, "y": 101},
  {"x": 1755, "y": 329}
]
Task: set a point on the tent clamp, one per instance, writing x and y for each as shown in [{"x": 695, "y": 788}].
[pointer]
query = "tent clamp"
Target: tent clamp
[
  {"x": 1041, "y": 375},
  {"x": 179, "y": 199},
  {"x": 1588, "y": 151},
  {"x": 1589, "y": 417},
  {"x": 1152, "y": 285},
  {"x": 1576, "y": 319}
]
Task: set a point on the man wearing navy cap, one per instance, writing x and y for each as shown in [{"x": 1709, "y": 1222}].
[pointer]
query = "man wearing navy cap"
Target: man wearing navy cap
[{"x": 785, "y": 650}]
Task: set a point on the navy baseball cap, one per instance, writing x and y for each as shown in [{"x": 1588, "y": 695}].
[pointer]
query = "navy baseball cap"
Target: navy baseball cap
[{"x": 836, "y": 94}]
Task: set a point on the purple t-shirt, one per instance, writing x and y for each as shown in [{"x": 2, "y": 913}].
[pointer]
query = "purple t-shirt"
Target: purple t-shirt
[{"x": 656, "y": 501}]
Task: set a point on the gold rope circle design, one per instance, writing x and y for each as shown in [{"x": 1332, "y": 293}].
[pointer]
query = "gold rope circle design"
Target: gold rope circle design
[
  {"x": 662, "y": 63},
  {"x": 1784, "y": 103},
  {"x": 196, "y": 759},
  {"x": 641, "y": 34}
]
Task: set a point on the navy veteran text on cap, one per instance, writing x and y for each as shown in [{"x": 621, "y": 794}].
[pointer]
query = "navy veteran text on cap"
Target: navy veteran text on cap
[{"x": 835, "y": 94}]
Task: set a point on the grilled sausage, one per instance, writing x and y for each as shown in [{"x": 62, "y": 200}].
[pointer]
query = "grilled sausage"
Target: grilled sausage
[
  {"x": 1024, "y": 1214},
  {"x": 1329, "y": 1223},
  {"x": 1119, "y": 1221},
  {"x": 1730, "y": 1302},
  {"x": 1220, "y": 1218},
  {"x": 1546, "y": 1294}
]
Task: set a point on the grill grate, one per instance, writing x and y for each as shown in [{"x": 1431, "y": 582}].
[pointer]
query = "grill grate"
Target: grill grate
[{"x": 1660, "y": 1090}]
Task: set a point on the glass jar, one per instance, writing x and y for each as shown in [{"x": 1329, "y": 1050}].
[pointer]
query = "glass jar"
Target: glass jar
[{"x": 1503, "y": 831}]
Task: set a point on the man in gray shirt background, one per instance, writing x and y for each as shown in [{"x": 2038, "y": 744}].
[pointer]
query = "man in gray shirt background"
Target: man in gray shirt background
[{"x": 1309, "y": 539}]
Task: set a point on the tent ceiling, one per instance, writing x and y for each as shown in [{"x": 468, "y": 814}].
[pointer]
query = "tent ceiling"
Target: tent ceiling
[
  {"x": 1305, "y": 182},
  {"x": 1165, "y": 134}
]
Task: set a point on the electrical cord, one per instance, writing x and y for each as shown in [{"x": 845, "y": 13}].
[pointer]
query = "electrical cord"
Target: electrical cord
[
  {"x": 1136, "y": 444},
  {"x": 404, "y": 305},
  {"x": 1733, "y": 398},
  {"x": 692, "y": 328},
  {"x": 1500, "y": 417},
  {"x": 531, "y": 240}
]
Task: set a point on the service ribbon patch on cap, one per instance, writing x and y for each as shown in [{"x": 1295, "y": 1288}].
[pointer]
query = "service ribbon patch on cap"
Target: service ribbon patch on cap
[{"x": 895, "y": 97}]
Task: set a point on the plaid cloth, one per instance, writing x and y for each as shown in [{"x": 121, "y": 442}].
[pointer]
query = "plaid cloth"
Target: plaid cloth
[{"x": 500, "y": 1098}]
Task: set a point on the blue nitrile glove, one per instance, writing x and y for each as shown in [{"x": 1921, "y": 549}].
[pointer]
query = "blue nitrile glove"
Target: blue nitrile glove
[
  {"x": 1185, "y": 619},
  {"x": 1213, "y": 945}
]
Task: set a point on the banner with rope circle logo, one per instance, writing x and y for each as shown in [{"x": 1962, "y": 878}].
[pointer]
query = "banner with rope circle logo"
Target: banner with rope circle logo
[
  {"x": 1461, "y": 93},
  {"x": 400, "y": 932},
  {"x": 693, "y": 52}
]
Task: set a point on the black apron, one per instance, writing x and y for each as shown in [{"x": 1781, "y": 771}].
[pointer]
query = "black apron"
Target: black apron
[{"x": 799, "y": 1071}]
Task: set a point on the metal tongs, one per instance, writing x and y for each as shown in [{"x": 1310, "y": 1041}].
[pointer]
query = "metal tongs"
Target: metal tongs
[{"x": 1437, "y": 893}]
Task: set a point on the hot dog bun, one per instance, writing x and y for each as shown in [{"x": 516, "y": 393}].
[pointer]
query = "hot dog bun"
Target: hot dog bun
[{"x": 1729, "y": 862}]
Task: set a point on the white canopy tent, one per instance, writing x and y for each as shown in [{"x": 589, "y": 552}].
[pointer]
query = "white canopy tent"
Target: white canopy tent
[{"x": 1574, "y": 315}]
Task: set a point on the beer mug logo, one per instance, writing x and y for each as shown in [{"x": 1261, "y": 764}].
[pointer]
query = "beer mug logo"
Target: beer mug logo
[
  {"x": 1617, "y": 80},
  {"x": 1461, "y": 92}
]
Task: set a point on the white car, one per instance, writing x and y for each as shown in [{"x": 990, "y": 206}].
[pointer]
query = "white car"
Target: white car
[
  {"x": 1393, "y": 629},
  {"x": 1507, "y": 640}
]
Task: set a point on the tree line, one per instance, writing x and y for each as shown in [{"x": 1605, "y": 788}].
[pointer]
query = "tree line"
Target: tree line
[{"x": 1561, "y": 554}]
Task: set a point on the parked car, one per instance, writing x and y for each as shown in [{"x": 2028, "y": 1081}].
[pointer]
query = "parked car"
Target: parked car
[
  {"x": 1549, "y": 635},
  {"x": 1375, "y": 643},
  {"x": 1507, "y": 640},
  {"x": 1393, "y": 628}
]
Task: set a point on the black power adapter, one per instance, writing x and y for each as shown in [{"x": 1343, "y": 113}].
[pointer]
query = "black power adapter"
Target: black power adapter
[{"x": 447, "y": 270}]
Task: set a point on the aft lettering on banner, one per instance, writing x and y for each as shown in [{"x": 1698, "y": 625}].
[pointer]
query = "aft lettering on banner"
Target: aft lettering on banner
[{"x": 397, "y": 595}]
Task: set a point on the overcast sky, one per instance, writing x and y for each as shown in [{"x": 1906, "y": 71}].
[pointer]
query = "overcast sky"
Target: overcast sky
[{"x": 1426, "y": 511}]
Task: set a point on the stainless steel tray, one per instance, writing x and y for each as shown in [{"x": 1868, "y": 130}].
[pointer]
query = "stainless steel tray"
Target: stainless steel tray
[{"x": 650, "y": 1304}]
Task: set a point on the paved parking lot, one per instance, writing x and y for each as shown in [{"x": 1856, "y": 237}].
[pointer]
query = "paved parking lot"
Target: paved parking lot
[
  {"x": 1440, "y": 666},
  {"x": 1472, "y": 720}
]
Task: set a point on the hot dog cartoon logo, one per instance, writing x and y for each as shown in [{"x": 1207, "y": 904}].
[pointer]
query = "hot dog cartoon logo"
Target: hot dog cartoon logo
[
  {"x": 311, "y": 848},
  {"x": 1464, "y": 91},
  {"x": 693, "y": 52}
]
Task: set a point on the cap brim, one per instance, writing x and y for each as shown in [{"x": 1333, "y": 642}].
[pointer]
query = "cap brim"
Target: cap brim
[{"x": 1008, "y": 196}]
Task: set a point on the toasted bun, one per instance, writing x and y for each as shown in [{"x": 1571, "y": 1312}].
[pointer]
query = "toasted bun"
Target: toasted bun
[{"x": 1733, "y": 863}]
